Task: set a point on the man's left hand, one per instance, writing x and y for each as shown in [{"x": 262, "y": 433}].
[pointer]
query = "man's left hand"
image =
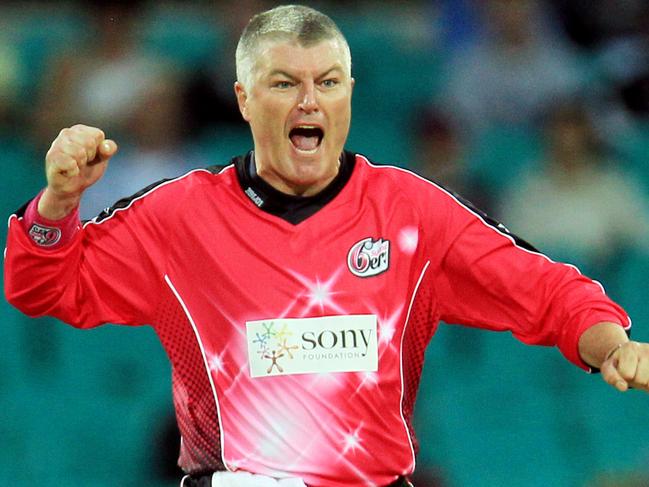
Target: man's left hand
[{"x": 627, "y": 366}]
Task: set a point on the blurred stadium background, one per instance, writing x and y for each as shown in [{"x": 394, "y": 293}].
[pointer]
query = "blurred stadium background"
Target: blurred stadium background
[{"x": 536, "y": 110}]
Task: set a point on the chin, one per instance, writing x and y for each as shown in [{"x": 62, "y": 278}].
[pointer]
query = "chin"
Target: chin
[
  {"x": 311, "y": 177},
  {"x": 316, "y": 167}
]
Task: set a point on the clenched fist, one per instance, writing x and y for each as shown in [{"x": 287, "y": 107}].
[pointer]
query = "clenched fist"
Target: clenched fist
[
  {"x": 623, "y": 363},
  {"x": 76, "y": 160},
  {"x": 627, "y": 365}
]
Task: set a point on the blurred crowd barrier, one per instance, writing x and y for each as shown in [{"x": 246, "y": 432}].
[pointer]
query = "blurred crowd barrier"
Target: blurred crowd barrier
[{"x": 537, "y": 111}]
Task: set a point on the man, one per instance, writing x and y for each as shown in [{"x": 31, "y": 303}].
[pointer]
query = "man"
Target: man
[{"x": 296, "y": 289}]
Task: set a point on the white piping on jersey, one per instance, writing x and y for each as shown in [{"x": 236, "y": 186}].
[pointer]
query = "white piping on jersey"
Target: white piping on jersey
[
  {"x": 13, "y": 215},
  {"x": 403, "y": 334},
  {"x": 207, "y": 367},
  {"x": 509, "y": 237},
  {"x": 95, "y": 222}
]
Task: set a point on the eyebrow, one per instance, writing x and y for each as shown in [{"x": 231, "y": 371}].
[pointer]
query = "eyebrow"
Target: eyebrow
[
  {"x": 281, "y": 72},
  {"x": 336, "y": 67}
]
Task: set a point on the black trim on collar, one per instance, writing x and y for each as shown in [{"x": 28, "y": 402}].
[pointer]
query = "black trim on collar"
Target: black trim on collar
[{"x": 294, "y": 209}]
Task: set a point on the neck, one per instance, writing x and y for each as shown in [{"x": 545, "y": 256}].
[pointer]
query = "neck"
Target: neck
[{"x": 308, "y": 188}]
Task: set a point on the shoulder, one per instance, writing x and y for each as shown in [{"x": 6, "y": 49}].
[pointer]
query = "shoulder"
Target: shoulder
[
  {"x": 437, "y": 205},
  {"x": 164, "y": 195},
  {"x": 399, "y": 181}
]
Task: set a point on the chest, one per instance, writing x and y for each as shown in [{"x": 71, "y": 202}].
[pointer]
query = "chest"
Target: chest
[{"x": 346, "y": 259}]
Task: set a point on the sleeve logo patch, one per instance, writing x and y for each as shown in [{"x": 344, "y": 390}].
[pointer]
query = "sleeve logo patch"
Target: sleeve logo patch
[
  {"x": 369, "y": 257},
  {"x": 44, "y": 236}
]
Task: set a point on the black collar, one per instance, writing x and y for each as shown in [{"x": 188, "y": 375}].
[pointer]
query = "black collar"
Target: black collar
[{"x": 293, "y": 209}]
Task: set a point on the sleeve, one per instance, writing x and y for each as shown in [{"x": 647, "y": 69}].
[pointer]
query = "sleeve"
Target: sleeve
[
  {"x": 107, "y": 271},
  {"x": 45, "y": 233},
  {"x": 489, "y": 278}
]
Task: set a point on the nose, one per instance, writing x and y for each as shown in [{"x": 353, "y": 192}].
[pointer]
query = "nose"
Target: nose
[{"x": 308, "y": 102}]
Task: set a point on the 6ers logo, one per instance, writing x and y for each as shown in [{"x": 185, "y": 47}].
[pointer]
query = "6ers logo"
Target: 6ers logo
[
  {"x": 369, "y": 257},
  {"x": 44, "y": 236}
]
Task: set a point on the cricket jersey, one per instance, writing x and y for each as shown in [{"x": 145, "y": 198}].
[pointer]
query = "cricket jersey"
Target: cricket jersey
[{"x": 296, "y": 326}]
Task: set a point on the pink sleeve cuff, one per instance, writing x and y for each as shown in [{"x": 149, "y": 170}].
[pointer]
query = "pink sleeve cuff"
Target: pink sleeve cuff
[{"x": 49, "y": 234}]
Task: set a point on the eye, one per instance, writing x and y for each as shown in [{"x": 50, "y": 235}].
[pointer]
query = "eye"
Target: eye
[
  {"x": 282, "y": 85},
  {"x": 329, "y": 83}
]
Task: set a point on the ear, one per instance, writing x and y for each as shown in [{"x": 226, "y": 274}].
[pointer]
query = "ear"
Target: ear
[{"x": 242, "y": 100}]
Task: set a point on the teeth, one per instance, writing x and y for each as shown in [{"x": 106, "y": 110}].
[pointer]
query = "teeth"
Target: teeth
[{"x": 306, "y": 127}]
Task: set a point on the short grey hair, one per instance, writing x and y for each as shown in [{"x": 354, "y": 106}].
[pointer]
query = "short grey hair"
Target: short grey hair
[{"x": 305, "y": 25}]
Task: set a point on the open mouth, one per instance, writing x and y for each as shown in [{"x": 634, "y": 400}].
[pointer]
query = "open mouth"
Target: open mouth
[{"x": 306, "y": 138}]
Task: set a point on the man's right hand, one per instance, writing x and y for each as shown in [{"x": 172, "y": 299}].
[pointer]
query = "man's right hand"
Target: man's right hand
[{"x": 76, "y": 160}]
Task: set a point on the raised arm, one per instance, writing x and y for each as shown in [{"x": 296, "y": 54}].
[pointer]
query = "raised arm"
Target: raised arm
[{"x": 109, "y": 270}]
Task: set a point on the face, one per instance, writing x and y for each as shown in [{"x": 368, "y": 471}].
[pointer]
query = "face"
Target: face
[{"x": 299, "y": 110}]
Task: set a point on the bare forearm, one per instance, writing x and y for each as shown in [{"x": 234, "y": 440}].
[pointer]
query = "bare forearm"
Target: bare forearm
[{"x": 599, "y": 340}]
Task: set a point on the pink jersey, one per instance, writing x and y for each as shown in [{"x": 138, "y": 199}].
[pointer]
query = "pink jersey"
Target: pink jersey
[{"x": 296, "y": 327}]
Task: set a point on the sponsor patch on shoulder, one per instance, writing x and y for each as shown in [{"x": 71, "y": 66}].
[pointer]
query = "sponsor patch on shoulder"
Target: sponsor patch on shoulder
[
  {"x": 43, "y": 235},
  {"x": 285, "y": 346}
]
